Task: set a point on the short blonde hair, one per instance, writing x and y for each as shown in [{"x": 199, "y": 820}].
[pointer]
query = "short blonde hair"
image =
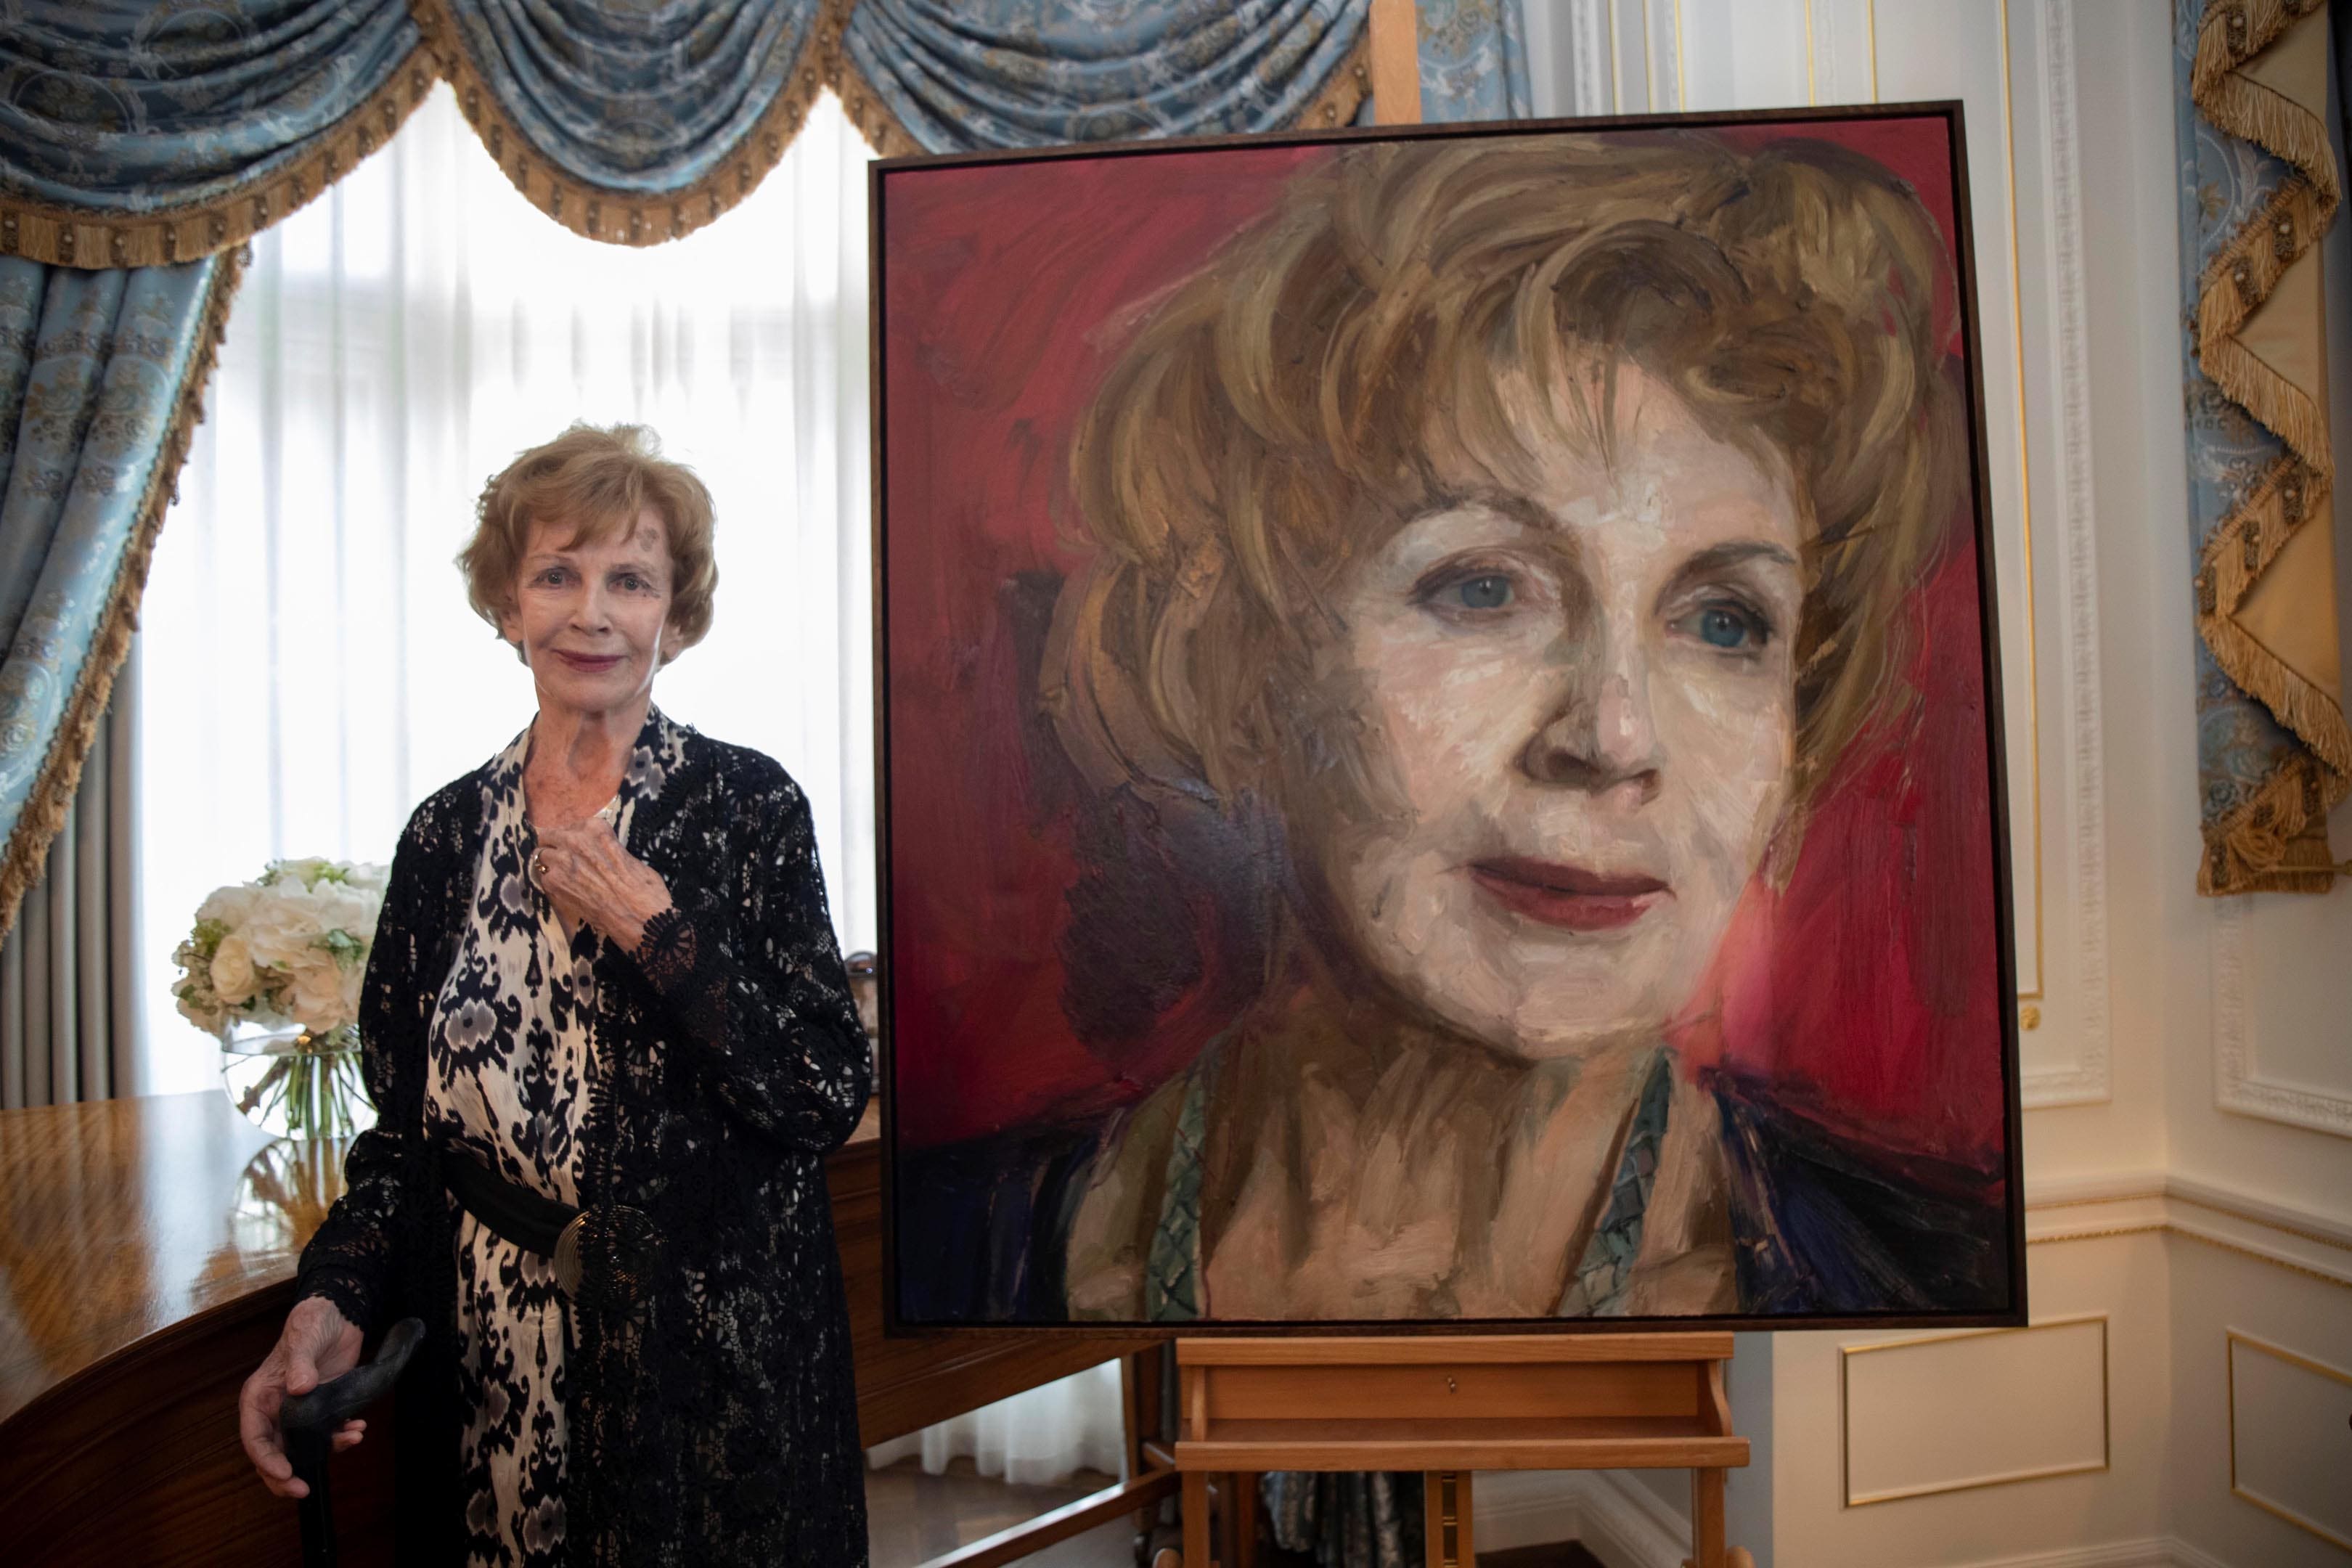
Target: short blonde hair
[
  {"x": 1273, "y": 418},
  {"x": 598, "y": 478}
]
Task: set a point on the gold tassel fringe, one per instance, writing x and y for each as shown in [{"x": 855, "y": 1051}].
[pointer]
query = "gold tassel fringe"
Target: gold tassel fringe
[
  {"x": 26, "y": 855},
  {"x": 2277, "y": 840},
  {"x": 70, "y": 236}
]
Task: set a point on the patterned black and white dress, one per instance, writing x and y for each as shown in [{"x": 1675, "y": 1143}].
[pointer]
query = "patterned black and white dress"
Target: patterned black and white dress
[{"x": 512, "y": 1035}]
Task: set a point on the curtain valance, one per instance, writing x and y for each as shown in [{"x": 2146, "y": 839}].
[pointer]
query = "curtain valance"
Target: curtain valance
[
  {"x": 627, "y": 121},
  {"x": 950, "y": 76},
  {"x": 135, "y": 135}
]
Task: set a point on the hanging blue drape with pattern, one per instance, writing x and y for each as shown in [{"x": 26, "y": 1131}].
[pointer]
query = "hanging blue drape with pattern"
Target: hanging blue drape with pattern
[
  {"x": 133, "y": 133},
  {"x": 950, "y": 76},
  {"x": 637, "y": 123},
  {"x": 140, "y": 144},
  {"x": 633, "y": 122},
  {"x": 101, "y": 375}
]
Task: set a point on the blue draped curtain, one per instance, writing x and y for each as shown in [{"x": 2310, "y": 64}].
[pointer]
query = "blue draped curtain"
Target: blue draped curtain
[
  {"x": 951, "y": 76},
  {"x": 139, "y": 146}
]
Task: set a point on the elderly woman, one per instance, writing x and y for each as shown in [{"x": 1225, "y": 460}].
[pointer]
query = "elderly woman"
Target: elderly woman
[
  {"x": 1503, "y": 543},
  {"x": 606, "y": 1008}
]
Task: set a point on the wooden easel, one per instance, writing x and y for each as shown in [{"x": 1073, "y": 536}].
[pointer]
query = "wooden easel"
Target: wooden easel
[{"x": 1447, "y": 1406}]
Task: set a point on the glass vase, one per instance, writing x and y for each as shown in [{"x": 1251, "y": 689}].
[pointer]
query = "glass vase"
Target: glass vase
[{"x": 292, "y": 1083}]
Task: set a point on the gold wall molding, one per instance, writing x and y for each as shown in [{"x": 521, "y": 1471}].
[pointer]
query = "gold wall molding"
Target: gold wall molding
[{"x": 2312, "y": 1246}]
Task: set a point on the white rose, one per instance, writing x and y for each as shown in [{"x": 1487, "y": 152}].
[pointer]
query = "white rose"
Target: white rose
[
  {"x": 368, "y": 875},
  {"x": 354, "y": 976},
  {"x": 232, "y": 971}
]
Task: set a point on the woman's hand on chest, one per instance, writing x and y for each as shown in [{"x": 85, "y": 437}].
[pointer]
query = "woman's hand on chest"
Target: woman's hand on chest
[{"x": 588, "y": 875}]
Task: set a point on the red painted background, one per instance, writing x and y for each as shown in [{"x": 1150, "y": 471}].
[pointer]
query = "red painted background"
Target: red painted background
[{"x": 1870, "y": 985}]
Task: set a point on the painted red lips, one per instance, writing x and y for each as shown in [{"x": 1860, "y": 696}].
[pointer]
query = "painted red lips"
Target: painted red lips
[{"x": 1569, "y": 897}]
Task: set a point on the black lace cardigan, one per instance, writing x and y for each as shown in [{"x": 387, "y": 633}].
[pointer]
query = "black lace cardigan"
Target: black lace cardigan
[{"x": 715, "y": 1423}]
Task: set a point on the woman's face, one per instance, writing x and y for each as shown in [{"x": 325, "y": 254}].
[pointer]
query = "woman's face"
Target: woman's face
[
  {"x": 1574, "y": 701},
  {"x": 590, "y": 618}
]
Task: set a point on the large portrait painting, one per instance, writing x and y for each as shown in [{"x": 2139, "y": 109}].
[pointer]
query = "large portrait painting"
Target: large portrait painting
[{"x": 1440, "y": 732}]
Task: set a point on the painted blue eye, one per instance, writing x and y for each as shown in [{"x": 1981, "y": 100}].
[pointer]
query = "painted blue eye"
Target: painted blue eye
[
  {"x": 1725, "y": 627},
  {"x": 1491, "y": 592}
]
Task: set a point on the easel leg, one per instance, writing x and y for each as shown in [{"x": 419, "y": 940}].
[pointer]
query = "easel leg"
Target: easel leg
[
  {"x": 1197, "y": 1552},
  {"x": 1446, "y": 1519},
  {"x": 1138, "y": 1390},
  {"x": 1706, "y": 1519},
  {"x": 1240, "y": 1514}
]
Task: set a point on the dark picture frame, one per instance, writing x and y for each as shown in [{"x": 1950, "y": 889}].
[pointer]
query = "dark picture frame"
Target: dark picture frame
[{"x": 896, "y": 752}]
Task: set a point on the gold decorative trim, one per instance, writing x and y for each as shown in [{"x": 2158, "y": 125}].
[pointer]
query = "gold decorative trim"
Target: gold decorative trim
[
  {"x": 872, "y": 118},
  {"x": 1902, "y": 1494},
  {"x": 2215, "y": 1206},
  {"x": 2142, "y": 1230},
  {"x": 2232, "y": 1339},
  {"x": 2173, "y": 1227},
  {"x": 2276, "y": 841},
  {"x": 2037, "y": 991},
  {"x": 53, "y": 788},
  {"x": 632, "y": 217},
  {"x": 77, "y": 237}
]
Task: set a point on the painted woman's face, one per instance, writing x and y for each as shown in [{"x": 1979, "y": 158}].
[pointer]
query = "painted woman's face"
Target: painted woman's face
[{"x": 1574, "y": 701}]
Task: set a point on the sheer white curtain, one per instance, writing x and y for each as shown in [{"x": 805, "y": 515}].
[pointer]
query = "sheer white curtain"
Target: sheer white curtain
[
  {"x": 312, "y": 667},
  {"x": 1034, "y": 1438}
]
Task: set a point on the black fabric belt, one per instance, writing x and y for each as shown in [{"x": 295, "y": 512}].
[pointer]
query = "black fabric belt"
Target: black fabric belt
[
  {"x": 604, "y": 1256},
  {"x": 532, "y": 1221}
]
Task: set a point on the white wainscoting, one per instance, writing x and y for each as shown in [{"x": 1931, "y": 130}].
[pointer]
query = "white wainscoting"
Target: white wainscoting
[
  {"x": 2279, "y": 1048},
  {"x": 1939, "y": 1413},
  {"x": 2291, "y": 1437}
]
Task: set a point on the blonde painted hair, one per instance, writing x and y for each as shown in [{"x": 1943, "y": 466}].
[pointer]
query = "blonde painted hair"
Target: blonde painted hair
[
  {"x": 1283, "y": 411},
  {"x": 598, "y": 478}
]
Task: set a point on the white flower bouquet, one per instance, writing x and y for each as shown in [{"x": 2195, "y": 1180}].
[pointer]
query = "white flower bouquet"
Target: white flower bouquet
[{"x": 273, "y": 969}]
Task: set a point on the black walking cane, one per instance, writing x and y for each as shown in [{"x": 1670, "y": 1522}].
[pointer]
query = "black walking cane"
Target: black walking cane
[{"x": 310, "y": 1422}]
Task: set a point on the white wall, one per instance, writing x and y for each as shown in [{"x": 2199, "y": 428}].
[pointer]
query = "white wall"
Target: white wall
[{"x": 2188, "y": 1063}]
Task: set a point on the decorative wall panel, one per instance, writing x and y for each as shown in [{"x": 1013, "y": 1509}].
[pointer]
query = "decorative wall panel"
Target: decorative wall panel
[{"x": 1953, "y": 1412}]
